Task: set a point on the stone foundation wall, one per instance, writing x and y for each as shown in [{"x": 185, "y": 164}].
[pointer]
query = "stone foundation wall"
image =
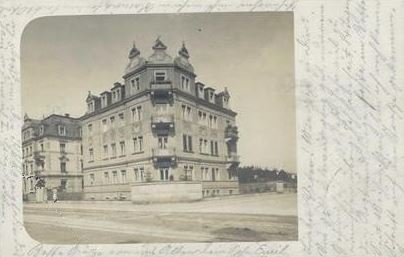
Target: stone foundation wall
[{"x": 157, "y": 192}]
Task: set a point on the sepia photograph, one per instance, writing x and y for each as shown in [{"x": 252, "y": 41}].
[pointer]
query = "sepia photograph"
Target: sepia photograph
[{"x": 159, "y": 128}]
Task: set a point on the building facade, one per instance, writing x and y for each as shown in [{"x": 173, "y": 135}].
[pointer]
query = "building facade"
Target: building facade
[
  {"x": 52, "y": 159},
  {"x": 159, "y": 125}
]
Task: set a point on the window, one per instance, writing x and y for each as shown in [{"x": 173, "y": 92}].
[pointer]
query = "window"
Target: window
[
  {"x": 41, "y": 129},
  {"x": 104, "y": 100},
  {"x": 212, "y": 148},
  {"x": 114, "y": 177},
  {"x": 164, "y": 174},
  {"x": 162, "y": 141},
  {"x": 106, "y": 177},
  {"x": 205, "y": 173},
  {"x": 160, "y": 76},
  {"x": 62, "y": 130},
  {"x": 105, "y": 151},
  {"x": 137, "y": 144},
  {"x": 121, "y": 119},
  {"x": 112, "y": 120},
  {"x": 211, "y": 95},
  {"x": 188, "y": 170},
  {"x": 62, "y": 147},
  {"x": 91, "y": 154},
  {"x": 90, "y": 129},
  {"x": 104, "y": 125},
  {"x": 216, "y": 149},
  {"x": 122, "y": 147},
  {"x": 90, "y": 106},
  {"x": 123, "y": 176},
  {"x": 137, "y": 113},
  {"x": 186, "y": 112},
  {"x": 205, "y": 146},
  {"x": 140, "y": 144},
  {"x": 137, "y": 83},
  {"x": 217, "y": 174},
  {"x": 189, "y": 114},
  {"x": 161, "y": 108},
  {"x": 63, "y": 167},
  {"x": 92, "y": 179},
  {"x": 185, "y": 83},
  {"x": 214, "y": 121},
  {"x": 42, "y": 149},
  {"x": 139, "y": 174},
  {"x": 113, "y": 149},
  {"x": 210, "y": 121},
  {"x": 200, "y": 145},
  {"x": 187, "y": 143}
]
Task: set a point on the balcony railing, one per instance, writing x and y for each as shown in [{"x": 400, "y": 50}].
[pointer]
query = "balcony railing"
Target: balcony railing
[
  {"x": 39, "y": 155},
  {"x": 167, "y": 118},
  {"x": 163, "y": 152},
  {"x": 162, "y": 122},
  {"x": 233, "y": 158},
  {"x": 160, "y": 85}
]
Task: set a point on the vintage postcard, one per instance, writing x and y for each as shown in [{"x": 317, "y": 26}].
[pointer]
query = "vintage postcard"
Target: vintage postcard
[{"x": 159, "y": 128}]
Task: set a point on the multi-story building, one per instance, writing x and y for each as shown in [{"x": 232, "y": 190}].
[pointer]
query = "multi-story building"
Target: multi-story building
[
  {"x": 159, "y": 125},
  {"x": 51, "y": 150}
]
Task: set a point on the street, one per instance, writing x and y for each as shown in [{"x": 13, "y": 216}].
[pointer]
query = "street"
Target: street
[{"x": 255, "y": 217}]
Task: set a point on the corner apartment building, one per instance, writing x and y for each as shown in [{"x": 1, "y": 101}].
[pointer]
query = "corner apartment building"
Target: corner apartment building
[
  {"x": 51, "y": 150},
  {"x": 159, "y": 125}
]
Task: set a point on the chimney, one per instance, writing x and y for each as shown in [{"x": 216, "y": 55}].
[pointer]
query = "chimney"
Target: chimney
[{"x": 67, "y": 115}]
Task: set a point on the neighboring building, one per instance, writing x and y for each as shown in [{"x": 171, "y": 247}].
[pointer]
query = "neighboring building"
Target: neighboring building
[
  {"x": 51, "y": 150},
  {"x": 159, "y": 125}
]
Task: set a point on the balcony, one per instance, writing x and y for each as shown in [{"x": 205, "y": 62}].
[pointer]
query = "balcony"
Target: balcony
[
  {"x": 232, "y": 161},
  {"x": 164, "y": 157},
  {"x": 231, "y": 133},
  {"x": 39, "y": 155},
  {"x": 162, "y": 123},
  {"x": 161, "y": 92}
]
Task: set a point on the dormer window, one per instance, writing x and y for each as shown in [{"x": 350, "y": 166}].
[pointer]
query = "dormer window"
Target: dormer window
[
  {"x": 160, "y": 76},
  {"x": 62, "y": 130},
  {"x": 90, "y": 106},
  {"x": 41, "y": 129},
  {"x": 211, "y": 95},
  {"x": 104, "y": 100},
  {"x": 135, "y": 84}
]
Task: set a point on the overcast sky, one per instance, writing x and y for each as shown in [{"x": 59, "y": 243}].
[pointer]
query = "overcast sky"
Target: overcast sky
[{"x": 252, "y": 54}]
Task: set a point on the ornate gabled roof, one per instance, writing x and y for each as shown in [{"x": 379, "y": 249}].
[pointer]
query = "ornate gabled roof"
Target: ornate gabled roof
[
  {"x": 26, "y": 118},
  {"x": 116, "y": 84},
  {"x": 135, "y": 60},
  {"x": 159, "y": 45},
  {"x": 134, "y": 51},
  {"x": 90, "y": 97},
  {"x": 183, "y": 51},
  {"x": 159, "y": 56},
  {"x": 182, "y": 59}
]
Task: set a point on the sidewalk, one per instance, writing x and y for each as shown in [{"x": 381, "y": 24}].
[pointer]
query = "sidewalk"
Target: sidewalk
[{"x": 263, "y": 203}]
